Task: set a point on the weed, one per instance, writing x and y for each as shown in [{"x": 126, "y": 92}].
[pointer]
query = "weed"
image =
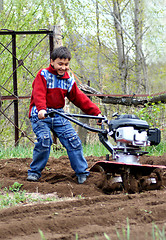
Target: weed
[
  {"x": 125, "y": 232},
  {"x": 80, "y": 197},
  {"x": 106, "y": 236},
  {"x": 15, "y": 187},
  {"x": 158, "y": 234},
  {"x": 76, "y": 236},
  {"x": 42, "y": 235}
]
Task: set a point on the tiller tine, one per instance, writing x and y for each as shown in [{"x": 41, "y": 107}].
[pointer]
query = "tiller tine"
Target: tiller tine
[{"x": 131, "y": 178}]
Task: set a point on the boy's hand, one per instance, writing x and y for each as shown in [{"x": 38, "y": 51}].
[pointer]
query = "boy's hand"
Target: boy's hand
[
  {"x": 99, "y": 121},
  {"x": 41, "y": 114}
]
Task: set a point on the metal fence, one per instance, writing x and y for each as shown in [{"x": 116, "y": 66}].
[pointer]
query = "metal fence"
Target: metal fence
[{"x": 9, "y": 45}]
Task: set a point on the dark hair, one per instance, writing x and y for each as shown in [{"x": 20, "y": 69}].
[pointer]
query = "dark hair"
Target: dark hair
[{"x": 61, "y": 52}]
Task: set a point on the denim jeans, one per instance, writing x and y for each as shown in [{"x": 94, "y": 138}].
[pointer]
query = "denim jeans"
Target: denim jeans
[{"x": 67, "y": 136}]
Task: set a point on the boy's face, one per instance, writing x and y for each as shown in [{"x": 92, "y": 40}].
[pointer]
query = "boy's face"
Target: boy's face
[{"x": 60, "y": 65}]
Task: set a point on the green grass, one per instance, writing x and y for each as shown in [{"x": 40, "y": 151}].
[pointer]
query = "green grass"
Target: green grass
[
  {"x": 26, "y": 152},
  {"x": 158, "y": 150},
  {"x": 13, "y": 196},
  {"x": 157, "y": 234},
  {"x": 94, "y": 149},
  {"x": 16, "y": 152}
]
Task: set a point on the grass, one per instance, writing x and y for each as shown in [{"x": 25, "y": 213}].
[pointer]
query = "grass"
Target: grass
[
  {"x": 158, "y": 150},
  {"x": 12, "y": 196},
  {"x": 157, "y": 234},
  {"x": 94, "y": 149}
]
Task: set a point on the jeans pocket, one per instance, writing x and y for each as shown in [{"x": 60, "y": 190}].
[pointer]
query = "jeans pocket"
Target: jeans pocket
[
  {"x": 46, "y": 140},
  {"x": 75, "y": 141}
]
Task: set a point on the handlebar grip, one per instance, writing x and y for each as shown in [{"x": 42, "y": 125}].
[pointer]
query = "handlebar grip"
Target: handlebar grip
[{"x": 50, "y": 114}]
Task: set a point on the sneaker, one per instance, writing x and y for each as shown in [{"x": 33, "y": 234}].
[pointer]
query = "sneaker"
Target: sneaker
[
  {"x": 32, "y": 178},
  {"x": 82, "y": 178}
]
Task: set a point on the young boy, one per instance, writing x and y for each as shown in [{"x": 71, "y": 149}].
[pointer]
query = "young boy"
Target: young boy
[{"x": 50, "y": 87}]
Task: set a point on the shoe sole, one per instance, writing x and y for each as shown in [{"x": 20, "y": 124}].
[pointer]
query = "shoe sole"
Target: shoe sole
[{"x": 32, "y": 180}]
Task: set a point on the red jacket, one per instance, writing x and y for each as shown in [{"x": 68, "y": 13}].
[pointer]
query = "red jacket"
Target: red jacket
[{"x": 50, "y": 90}]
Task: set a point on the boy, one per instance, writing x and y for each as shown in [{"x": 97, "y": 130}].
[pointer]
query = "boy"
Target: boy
[{"x": 50, "y": 87}]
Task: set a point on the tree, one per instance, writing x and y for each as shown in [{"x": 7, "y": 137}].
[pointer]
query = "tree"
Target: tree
[
  {"x": 120, "y": 46},
  {"x": 1, "y": 5},
  {"x": 140, "y": 62}
]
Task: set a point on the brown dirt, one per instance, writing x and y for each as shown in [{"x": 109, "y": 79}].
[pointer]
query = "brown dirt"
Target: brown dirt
[{"x": 89, "y": 215}]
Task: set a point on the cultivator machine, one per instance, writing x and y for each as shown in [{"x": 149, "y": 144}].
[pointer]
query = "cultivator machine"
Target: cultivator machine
[{"x": 125, "y": 172}]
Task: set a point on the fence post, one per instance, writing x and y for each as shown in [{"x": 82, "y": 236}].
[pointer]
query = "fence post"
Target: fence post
[
  {"x": 15, "y": 88},
  {"x": 51, "y": 42}
]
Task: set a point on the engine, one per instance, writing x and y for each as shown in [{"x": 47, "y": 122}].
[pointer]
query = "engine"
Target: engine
[{"x": 132, "y": 131}]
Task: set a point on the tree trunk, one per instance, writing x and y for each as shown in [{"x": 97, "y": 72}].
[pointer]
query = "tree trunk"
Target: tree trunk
[
  {"x": 99, "y": 45},
  {"x": 1, "y": 5},
  {"x": 57, "y": 36},
  {"x": 81, "y": 131},
  {"x": 120, "y": 47},
  {"x": 138, "y": 47},
  {"x": 140, "y": 65}
]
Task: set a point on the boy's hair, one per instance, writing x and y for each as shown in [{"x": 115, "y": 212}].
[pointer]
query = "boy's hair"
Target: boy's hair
[{"x": 61, "y": 52}]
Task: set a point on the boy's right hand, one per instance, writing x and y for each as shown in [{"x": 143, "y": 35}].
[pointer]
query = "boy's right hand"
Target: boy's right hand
[
  {"x": 99, "y": 121},
  {"x": 41, "y": 114}
]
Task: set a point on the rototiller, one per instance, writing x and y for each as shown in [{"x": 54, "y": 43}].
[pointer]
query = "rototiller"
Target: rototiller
[{"x": 130, "y": 134}]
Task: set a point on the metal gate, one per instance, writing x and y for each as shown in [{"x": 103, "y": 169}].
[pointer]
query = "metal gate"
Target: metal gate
[{"x": 11, "y": 48}]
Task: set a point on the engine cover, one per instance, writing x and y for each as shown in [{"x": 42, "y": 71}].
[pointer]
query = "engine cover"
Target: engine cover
[
  {"x": 129, "y": 129},
  {"x": 127, "y": 120},
  {"x": 131, "y": 136}
]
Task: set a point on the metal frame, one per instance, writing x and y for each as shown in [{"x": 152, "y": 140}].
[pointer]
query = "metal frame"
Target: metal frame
[{"x": 14, "y": 96}]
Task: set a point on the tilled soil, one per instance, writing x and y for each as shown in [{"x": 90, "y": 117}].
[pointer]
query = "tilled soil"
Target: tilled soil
[{"x": 81, "y": 210}]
